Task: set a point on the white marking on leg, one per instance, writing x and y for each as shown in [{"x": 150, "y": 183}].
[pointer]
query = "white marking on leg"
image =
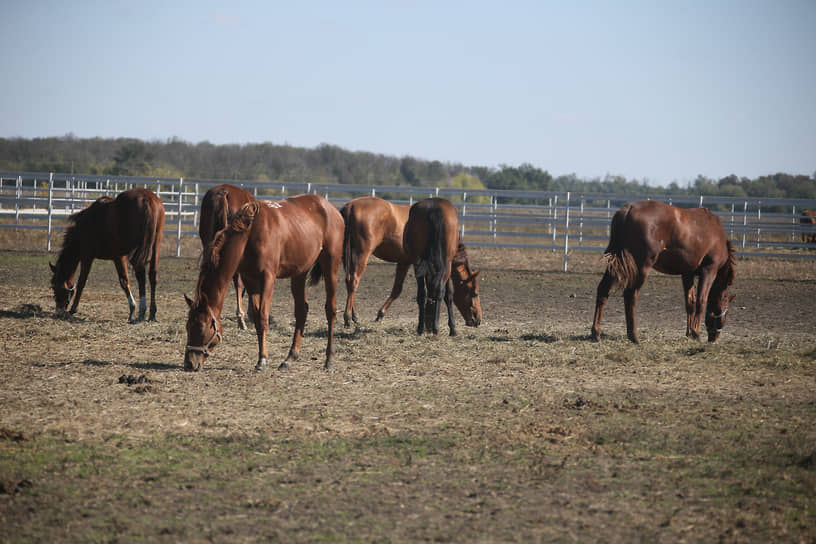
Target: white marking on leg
[{"x": 131, "y": 300}]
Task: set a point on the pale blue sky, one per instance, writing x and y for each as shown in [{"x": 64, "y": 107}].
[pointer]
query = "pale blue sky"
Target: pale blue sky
[{"x": 657, "y": 90}]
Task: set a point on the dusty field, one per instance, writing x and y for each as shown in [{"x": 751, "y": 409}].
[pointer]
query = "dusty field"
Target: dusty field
[{"x": 520, "y": 430}]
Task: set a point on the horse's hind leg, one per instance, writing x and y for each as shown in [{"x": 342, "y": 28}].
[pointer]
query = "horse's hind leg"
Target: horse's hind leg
[
  {"x": 330, "y": 281},
  {"x": 84, "y": 270},
  {"x": 604, "y": 287},
  {"x": 139, "y": 272},
  {"x": 259, "y": 305},
  {"x": 688, "y": 291},
  {"x": 359, "y": 260},
  {"x": 124, "y": 283},
  {"x": 396, "y": 290},
  {"x": 421, "y": 298},
  {"x": 301, "y": 310},
  {"x": 630, "y": 296},
  {"x": 449, "y": 304}
]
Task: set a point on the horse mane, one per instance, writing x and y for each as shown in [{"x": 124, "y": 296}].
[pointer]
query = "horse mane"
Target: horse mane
[
  {"x": 211, "y": 256},
  {"x": 726, "y": 272},
  {"x": 460, "y": 258},
  {"x": 78, "y": 222}
]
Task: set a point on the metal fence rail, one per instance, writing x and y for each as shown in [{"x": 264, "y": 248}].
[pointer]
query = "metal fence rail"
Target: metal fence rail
[{"x": 520, "y": 219}]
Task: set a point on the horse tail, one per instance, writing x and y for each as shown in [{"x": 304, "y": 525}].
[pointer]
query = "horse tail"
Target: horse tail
[
  {"x": 150, "y": 227},
  {"x": 620, "y": 263},
  {"x": 436, "y": 248},
  {"x": 315, "y": 273},
  {"x": 348, "y": 255},
  {"x": 214, "y": 215}
]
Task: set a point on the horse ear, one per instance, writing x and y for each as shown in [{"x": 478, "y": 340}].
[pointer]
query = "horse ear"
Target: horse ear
[
  {"x": 53, "y": 268},
  {"x": 731, "y": 298},
  {"x": 473, "y": 276},
  {"x": 188, "y": 300}
]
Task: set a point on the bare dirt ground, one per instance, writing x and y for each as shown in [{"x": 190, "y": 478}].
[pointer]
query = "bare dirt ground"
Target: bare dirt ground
[{"x": 519, "y": 430}]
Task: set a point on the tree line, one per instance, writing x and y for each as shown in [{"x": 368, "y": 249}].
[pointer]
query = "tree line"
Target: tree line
[{"x": 332, "y": 164}]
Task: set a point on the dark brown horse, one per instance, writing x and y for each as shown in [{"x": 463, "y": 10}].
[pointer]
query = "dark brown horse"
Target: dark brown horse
[
  {"x": 808, "y": 222},
  {"x": 129, "y": 226},
  {"x": 430, "y": 240},
  {"x": 692, "y": 243},
  {"x": 266, "y": 241},
  {"x": 218, "y": 206}
]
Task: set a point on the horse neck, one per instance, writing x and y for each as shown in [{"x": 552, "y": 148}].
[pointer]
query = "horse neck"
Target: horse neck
[
  {"x": 214, "y": 280},
  {"x": 68, "y": 259}
]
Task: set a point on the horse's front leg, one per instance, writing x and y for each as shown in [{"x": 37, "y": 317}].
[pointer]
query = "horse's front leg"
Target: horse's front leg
[
  {"x": 421, "y": 298},
  {"x": 84, "y": 270},
  {"x": 688, "y": 291},
  {"x": 301, "y": 310},
  {"x": 602, "y": 295},
  {"x": 330, "y": 281},
  {"x": 239, "y": 310},
  {"x": 259, "y": 304},
  {"x": 124, "y": 283},
  {"x": 449, "y": 304},
  {"x": 704, "y": 284},
  {"x": 396, "y": 290}
]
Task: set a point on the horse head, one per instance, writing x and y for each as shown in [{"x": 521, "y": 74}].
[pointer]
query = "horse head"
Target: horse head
[
  {"x": 203, "y": 333},
  {"x": 63, "y": 288},
  {"x": 466, "y": 295},
  {"x": 716, "y": 310}
]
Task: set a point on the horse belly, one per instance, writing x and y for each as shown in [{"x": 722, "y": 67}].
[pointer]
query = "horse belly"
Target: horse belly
[
  {"x": 390, "y": 251},
  {"x": 675, "y": 261}
]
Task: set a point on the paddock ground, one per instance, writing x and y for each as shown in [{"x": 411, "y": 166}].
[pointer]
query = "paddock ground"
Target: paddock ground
[{"x": 519, "y": 430}]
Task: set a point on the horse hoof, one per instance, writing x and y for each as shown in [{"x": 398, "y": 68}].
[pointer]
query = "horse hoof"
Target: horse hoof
[
  {"x": 261, "y": 365},
  {"x": 283, "y": 366}
]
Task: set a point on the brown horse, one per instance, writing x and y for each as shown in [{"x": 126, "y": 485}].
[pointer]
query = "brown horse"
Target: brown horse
[
  {"x": 131, "y": 225},
  {"x": 218, "y": 206},
  {"x": 430, "y": 240},
  {"x": 265, "y": 241},
  {"x": 373, "y": 225},
  {"x": 692, "y": 243},
  {"x": 808, "y": 222}
]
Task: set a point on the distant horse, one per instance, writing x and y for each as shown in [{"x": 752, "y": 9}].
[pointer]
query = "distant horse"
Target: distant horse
[
  {"x": 430, "y": 240},
  {"x": 373, "y": 225},
  {"x": 266, "y": 241},
  {"x": 129, "y": 226},
  {"x": 808, "y": 222},
  {"x": 218, "y": 206},
  {"x": 692, "y": 243}
]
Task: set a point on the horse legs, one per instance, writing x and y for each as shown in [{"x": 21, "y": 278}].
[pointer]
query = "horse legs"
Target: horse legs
[
  {"x": 433, "y": 306},
  {"x": 330, "y": 281},
  {"x": 396, "y": 290},
  {"x": 84, "y": 270},
  {"x": 301, "y": 310},
  {"x": 449, "y": 304},
  {"x": 124, "y": 283},
  {"x": 421, "y": 298},
  {"x": 359, "y": 261},
  {"x": 139, "y": 272},
  {"x": 688, "y": 289},
  {"x": 602, "y": 295},
  {"x": 239, "y": 311},
  {"x": 259, "y": 304},
  {"x": 707, "y": 277}
]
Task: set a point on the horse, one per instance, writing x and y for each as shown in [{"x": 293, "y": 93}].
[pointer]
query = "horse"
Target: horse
[
  {"x": 296, "y": 238},
  {"x": 130, "y": 226},
  {"x": 808, "y": 222},
  {"x": 690, "y": 243},
  {"x": 218, "y": 206},
  {"x": 430, "y": 240},
  {"x": 373, "y": 226}
]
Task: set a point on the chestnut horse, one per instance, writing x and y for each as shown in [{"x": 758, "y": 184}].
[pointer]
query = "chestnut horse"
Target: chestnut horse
[
  {"x": 373, "y": 225},
  {"x": 265, "y": 241},
  {"x": 129, "y": 226},
  {"x": 808, "y": 222},
  {"x": 218, "y": 206},
  {"x": 692, "y": 243},
  {"x": 430, "y": 240}
]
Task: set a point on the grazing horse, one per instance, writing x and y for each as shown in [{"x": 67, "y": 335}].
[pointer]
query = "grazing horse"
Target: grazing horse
[
  {"x": 129, "y": 226},
  {"x": 808, "y": 222},
  {"x": 692, "y": 243},
  {"x": 267, "y": 240},
  {"x": 373, "y": 225},
  {"x": 218, "y": 206},
  {"x": 430, "y": 239}
]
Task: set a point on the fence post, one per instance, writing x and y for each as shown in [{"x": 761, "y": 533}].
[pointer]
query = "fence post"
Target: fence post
[
  {"x": 744, "y": 223},
  {"x": 759, "y": 219},
  {"x": 566, "y": 229},
  {"x": 793, "y": 222},
  {"x": 493, "y": 210},
  {"x": 464, "y": 213},
  {"x": 178, "y": 219},
  {"x": 18, "y": 195},
  {"x": 554, "y": 210},
  {"x": 731, "y": 234},
  {"x": 195, "y": 213},
  {"x": 373, "y": 191},
  {"x": 50, "y": 208},
  {"x": 581, "y": 224}
]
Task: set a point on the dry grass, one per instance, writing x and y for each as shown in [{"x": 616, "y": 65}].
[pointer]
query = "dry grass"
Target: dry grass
[{"x": 521, "y": 429}]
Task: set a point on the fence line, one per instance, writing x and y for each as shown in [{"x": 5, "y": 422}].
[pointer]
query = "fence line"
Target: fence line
[{"x": 518, "y": 219}]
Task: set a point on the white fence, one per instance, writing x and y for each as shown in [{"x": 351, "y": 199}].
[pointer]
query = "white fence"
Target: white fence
[{"x": 561, "y": 222}]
